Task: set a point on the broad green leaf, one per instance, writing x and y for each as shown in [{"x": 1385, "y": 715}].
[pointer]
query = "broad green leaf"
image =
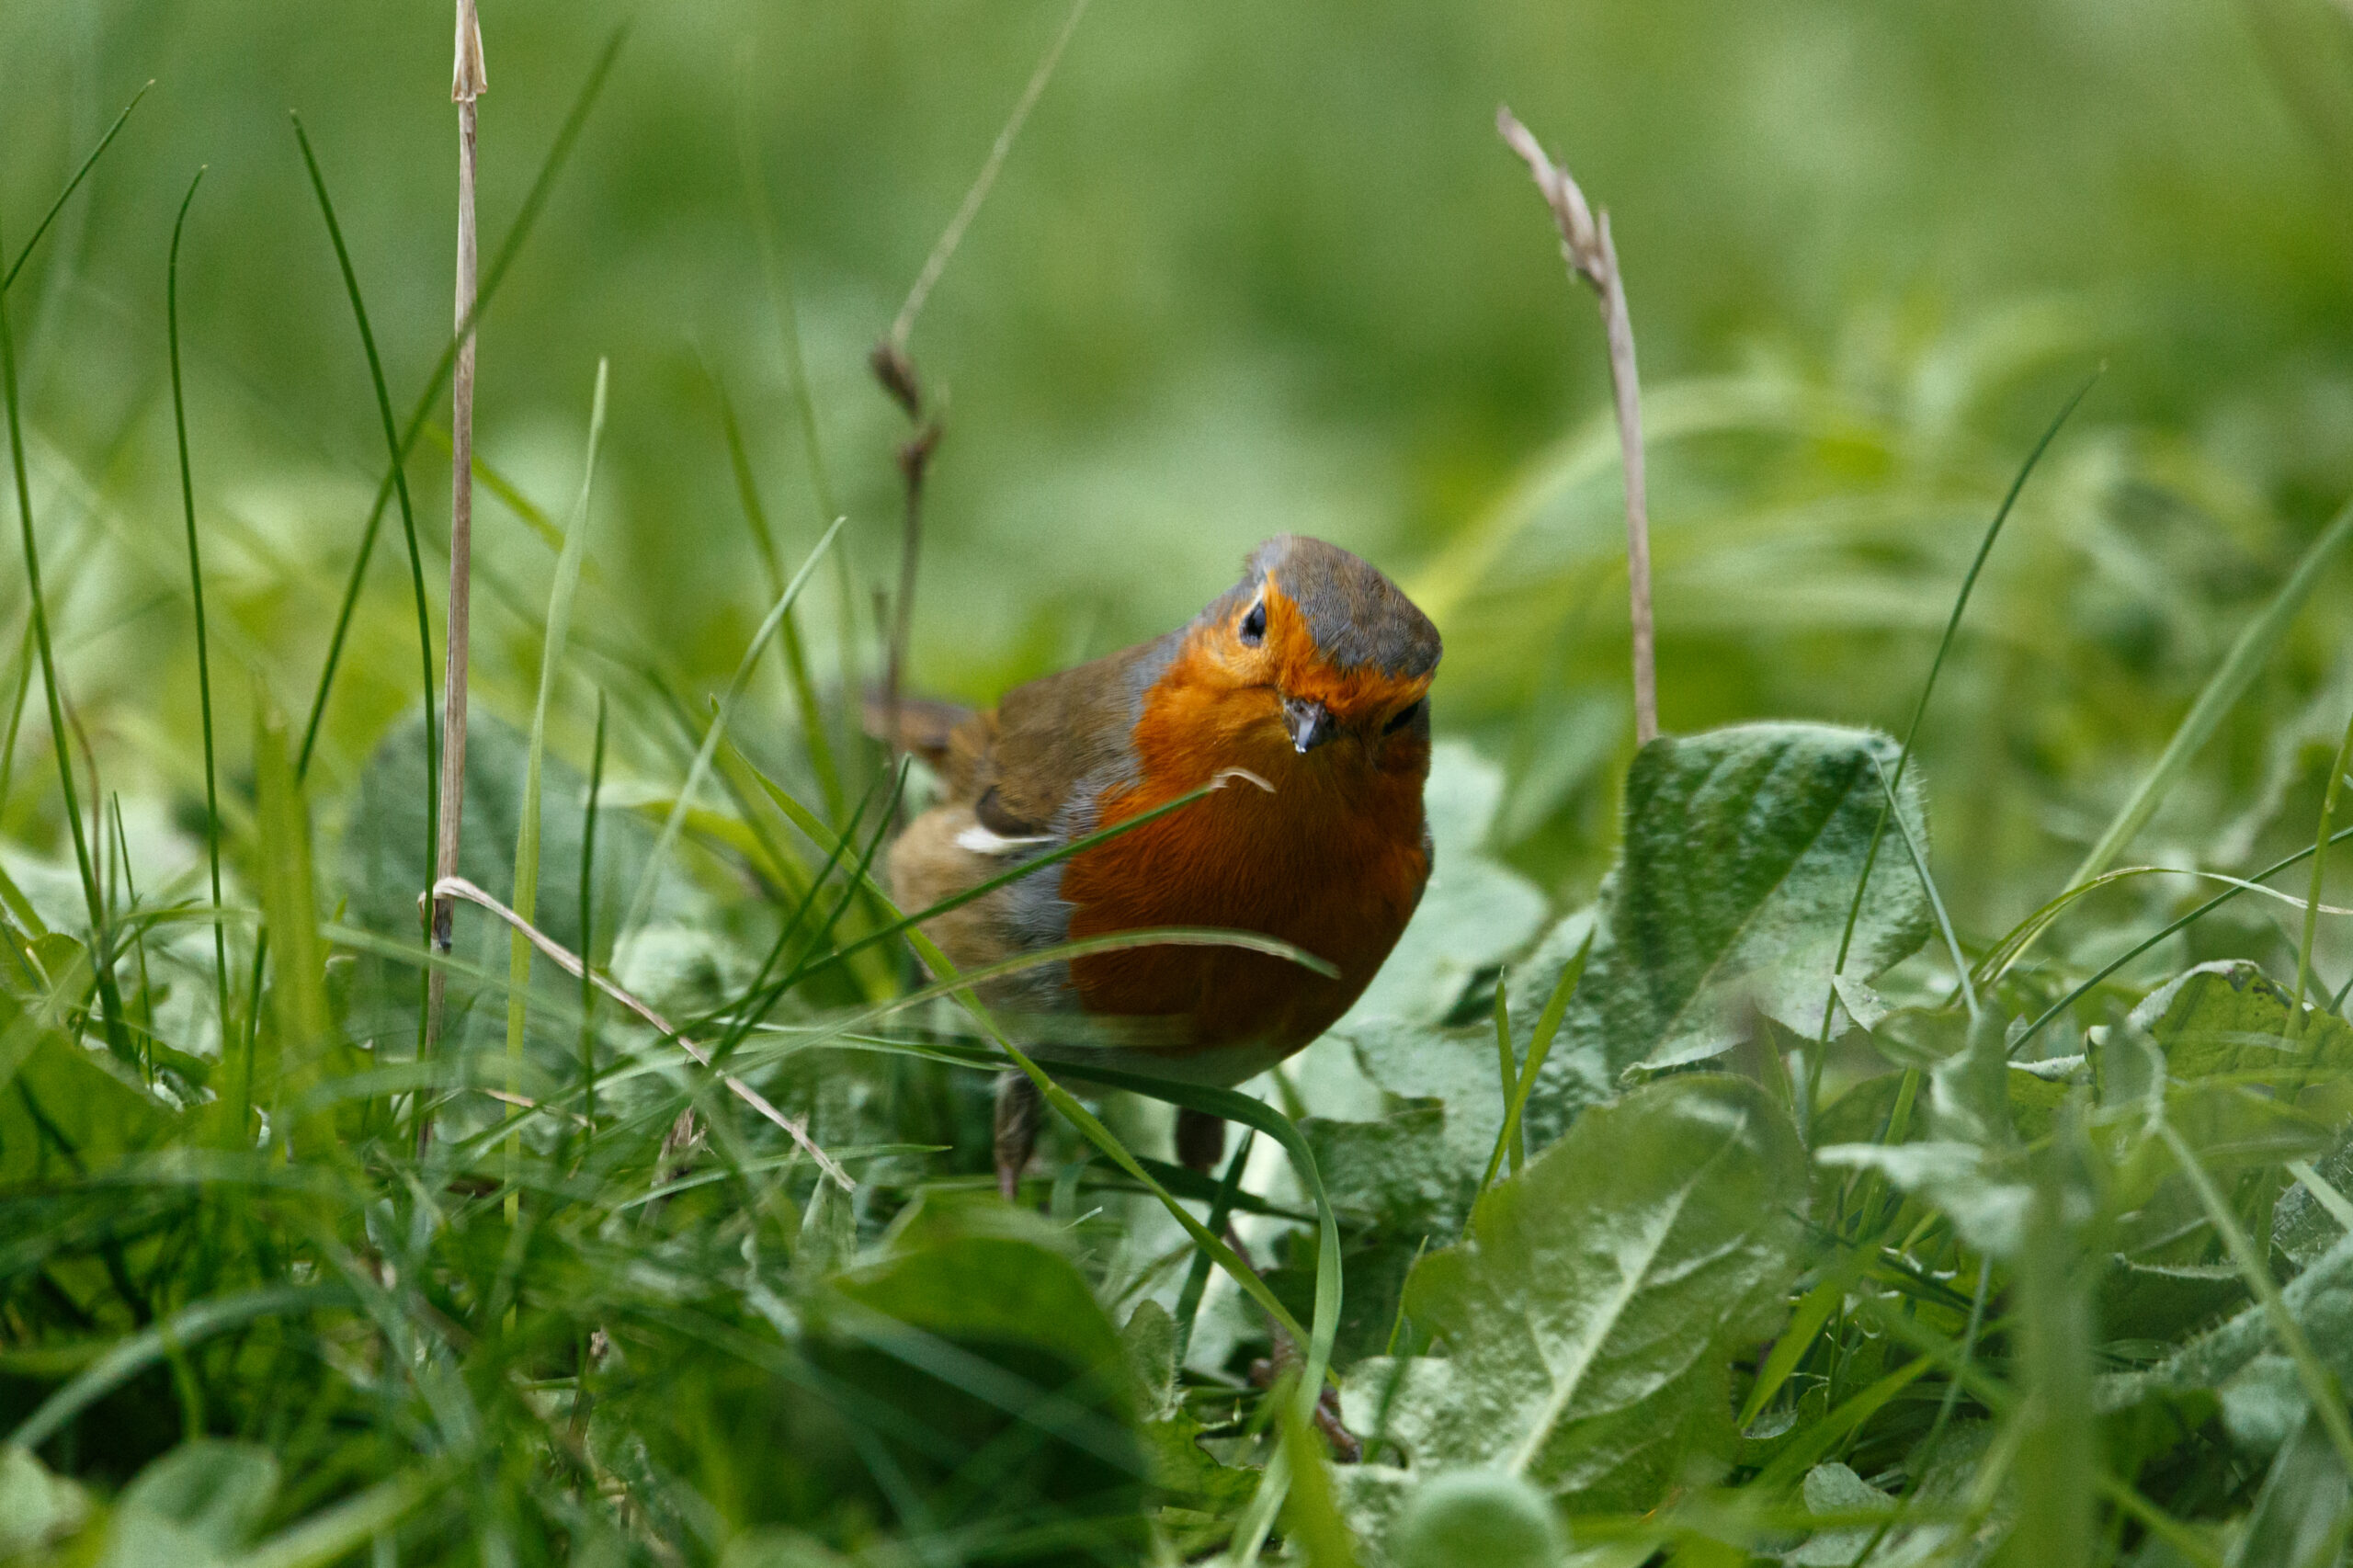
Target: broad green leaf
[
  {"x": 2165, "y": 1301},
  {"x": 2230, "y": 1017},
  {"x": 1590, "y": 1309},
  {"x": 302, "y": 1039},
  {"x": 2239, "y": 1361},
  {"x": 72, "y": 1111},
  {"x": 1184, "y": 1473},
  {"x": 2303, "y": 1227},
  {"x": 1743, "y": 849},
  {"x": 196, "y": 1505},
  {"x": 383, "y": 862},
  {"x": 1835, "y": 1489},
  {"x": 2304, "y": 1510},
  {"x": 1399, "y": 1172},
  {"x": 1150, "y": 1338},
  {"x": 1476, "y": 911},
  {"x": 1982, "y": 1191},
  {"x": 1453, "y": 1066},
  {"x": 979, "y": 1331},
  {"x": 36, "y": 1507}
]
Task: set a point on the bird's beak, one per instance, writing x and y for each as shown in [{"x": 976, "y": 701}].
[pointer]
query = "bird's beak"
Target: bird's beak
[{"x": 1310, "y": 722}]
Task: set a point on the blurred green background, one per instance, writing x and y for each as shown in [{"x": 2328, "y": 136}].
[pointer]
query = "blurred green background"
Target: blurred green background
[{"x": 1250, "y": 269}]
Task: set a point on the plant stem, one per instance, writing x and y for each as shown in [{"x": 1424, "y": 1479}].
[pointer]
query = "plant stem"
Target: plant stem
[
  {"x": 1592, "y": 256},
  {"x": 469, "y": 83}
]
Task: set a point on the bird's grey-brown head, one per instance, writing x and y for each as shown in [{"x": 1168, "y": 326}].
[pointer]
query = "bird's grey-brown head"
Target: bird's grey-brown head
[{"x": 1358, "y": 616}]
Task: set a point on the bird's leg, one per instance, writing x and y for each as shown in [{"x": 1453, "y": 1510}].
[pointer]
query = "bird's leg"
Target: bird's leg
[
  {"x": 1019, "y": 1109},
  {"x": 1200, "y": 1139},
  {"x": 1201, "y": 1144}
]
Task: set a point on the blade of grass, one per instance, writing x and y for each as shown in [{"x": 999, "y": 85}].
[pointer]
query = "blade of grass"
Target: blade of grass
[
  {"x": 101, "y": 937},
  {"x": 760, "y": 997},
  {"x": 2212, "y": 904},
  {"x": 1311, "y": 1515},
  {"x": 1197, "y": 1274},
  {"x": 527, "y": 837},
  {"x": 458, "y": 888},
  {"x": 1539, "y": 1046},
  {"x": 2253, "y": 650},
  {"x": 17, "y": 711},
  {"x": 803, "y": 819},
  {"x": 1806, "y": 1321},
  {"x": 2320, "y": 1385},
  {"x": 1233, "y": 1107},
  {"x": 1915, "y": 1471},
  {"x": 138, "y": 933},
  {"x": 2320, "y": 869},
  {"x": 796, "y": 660},
  {"x": 134, "y": 1353},
  {"x": 333, "y": 1533},
  {"x": 588, "y": 937},
  {"x": 2325, "y": 1194},
  {"x": 2058, "y": 1470},
  {"x": 526, "y": 218},
  {"x": 1912, "y": 731},
  {"x": 642, "y": 898},
  {"x": 1893, "y": 812},
  {"x": 196, "y": 588},
  {"x": 72, "y": 185},
  {"x": 298, "y": 993},
  {"x": 396, "y": 453},
  {"x": 786, "y": 306},
  {"x": 904, "y": 325},
  {"x": 1507, "y": 1073}
]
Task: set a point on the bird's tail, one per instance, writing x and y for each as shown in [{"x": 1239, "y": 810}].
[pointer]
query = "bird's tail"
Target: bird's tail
[{"x": 925, "y": 724}]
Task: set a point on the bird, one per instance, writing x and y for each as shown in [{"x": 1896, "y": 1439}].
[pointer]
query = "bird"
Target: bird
[{"x": 1304, "y": 692}]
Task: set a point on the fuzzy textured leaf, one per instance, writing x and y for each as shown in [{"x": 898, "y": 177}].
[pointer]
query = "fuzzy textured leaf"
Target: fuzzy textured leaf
[
  {"x": 1743, "y": 848},
  {"x": 2231, "y": 1017},
  {"x": 1588, "y": 1307}
]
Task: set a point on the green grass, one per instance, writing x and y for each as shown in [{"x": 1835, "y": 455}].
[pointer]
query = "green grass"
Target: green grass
[{"x": 1709, "y": 1175}]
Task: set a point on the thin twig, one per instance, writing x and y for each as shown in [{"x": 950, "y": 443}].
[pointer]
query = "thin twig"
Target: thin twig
[
  {"x": 1586, "y": 245},
  {"x": 470, "y": 79},
  {"x": 448, "y": 889},
  {"x": 896, "y": 371}
]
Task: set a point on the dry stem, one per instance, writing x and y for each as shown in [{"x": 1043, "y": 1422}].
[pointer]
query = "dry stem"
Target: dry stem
[
  {"x": 896, "y": 371},
  {"x": 1586, "y": 245},
  {"x": 451, "y": 888},
  {"x": 469, "y": 80}
]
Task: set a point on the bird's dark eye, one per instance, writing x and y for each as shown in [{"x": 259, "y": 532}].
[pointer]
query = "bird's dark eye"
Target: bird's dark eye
[
  {"x": 1253, "y": 625},
  {"x": 1406, "y": 716}
]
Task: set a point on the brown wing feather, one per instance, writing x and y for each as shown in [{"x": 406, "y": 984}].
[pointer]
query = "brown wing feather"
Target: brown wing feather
[{"x": 1020, "y": 763}]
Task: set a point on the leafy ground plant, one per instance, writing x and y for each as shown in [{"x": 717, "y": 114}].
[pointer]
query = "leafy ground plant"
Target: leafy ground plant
[{"x": 1751, "y": 1209}]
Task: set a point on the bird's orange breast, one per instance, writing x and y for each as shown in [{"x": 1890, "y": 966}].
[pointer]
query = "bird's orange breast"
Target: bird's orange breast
[{"x": 1333, "y": 860}]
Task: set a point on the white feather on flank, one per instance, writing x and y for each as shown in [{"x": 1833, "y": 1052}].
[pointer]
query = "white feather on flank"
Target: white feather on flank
[{"x": 981, "y": 841}]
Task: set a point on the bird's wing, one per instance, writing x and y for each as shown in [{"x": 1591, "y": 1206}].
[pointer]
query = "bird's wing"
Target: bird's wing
[{"x": 1053, "y": 744}]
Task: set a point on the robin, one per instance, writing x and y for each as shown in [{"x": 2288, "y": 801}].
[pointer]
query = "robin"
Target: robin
[{"x": 1305, "y": 688}]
